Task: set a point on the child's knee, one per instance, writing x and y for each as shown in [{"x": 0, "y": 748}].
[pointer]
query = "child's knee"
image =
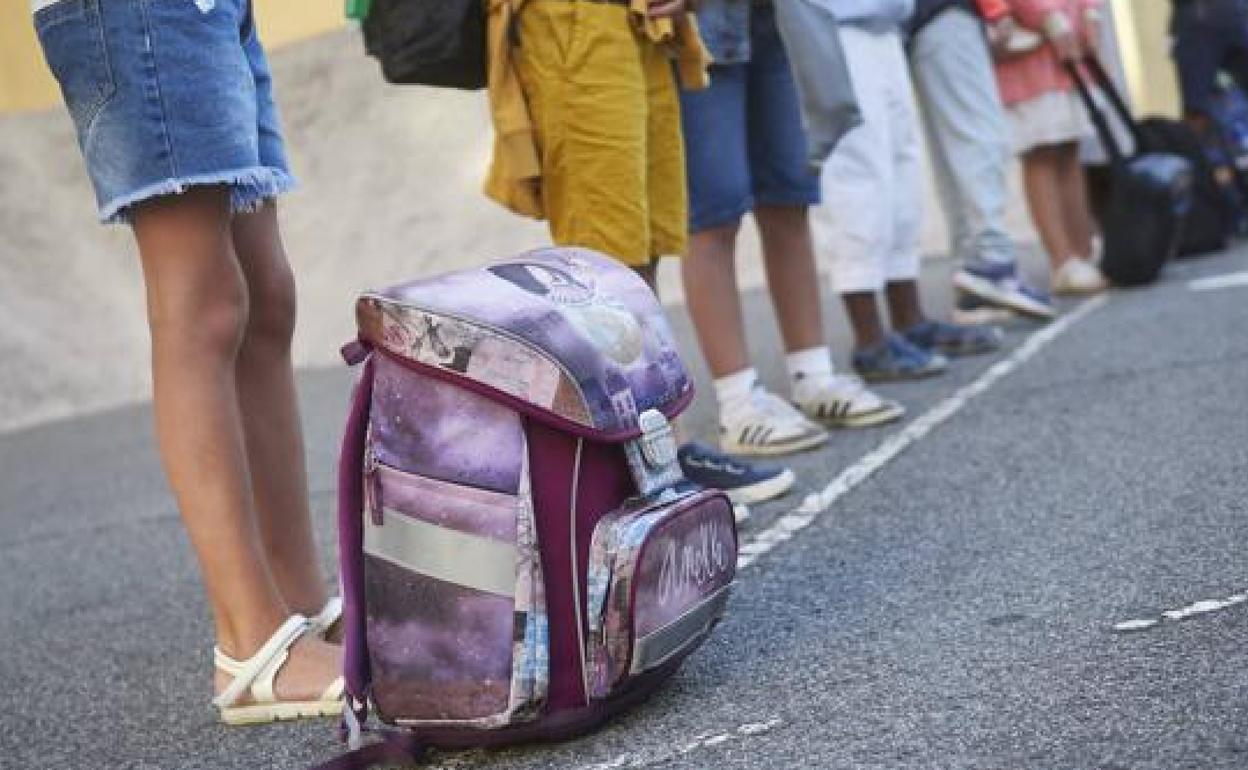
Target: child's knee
[
  {"x": 210, "y": 325},
  {"x": 272, "y": 307}
]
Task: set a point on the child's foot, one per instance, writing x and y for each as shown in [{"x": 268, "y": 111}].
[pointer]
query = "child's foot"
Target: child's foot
[
  {"x": 1002, "y": 287},
  {"x": 896, "y": 359},
  {"x": 1077, "y": 277},
  {"x": 954, "y": 340},
  {"x": 743, "y": 482},
  {"x": 766, "y": 425},
  {"x": 306, "y": 684},
  {"x": 842, "y": 401}
]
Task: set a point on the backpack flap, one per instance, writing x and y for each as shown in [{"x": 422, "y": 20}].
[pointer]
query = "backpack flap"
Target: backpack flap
[{"x": 565, "y": 336}]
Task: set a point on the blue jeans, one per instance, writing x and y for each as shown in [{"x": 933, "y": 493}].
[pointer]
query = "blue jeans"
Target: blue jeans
[
  {"x": 166, "y": 94},
  {"x": 968, "y": 137},
  {"x": 744, "y": 144},
  {"x": 1209, "y": 36}
]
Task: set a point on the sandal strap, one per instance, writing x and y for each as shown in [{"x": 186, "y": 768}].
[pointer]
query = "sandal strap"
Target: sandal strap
[
  {"x": 323, "y": 621},
  {"x": 336, "y": 690},
  {"x": 260, "y": 669}
]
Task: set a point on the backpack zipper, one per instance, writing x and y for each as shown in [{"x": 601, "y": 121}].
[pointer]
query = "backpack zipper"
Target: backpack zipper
[{"x": 372, "y": 486}]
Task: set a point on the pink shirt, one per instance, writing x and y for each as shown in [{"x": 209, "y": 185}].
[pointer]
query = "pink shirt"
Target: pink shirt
[{"x": 1038, "y": 72}]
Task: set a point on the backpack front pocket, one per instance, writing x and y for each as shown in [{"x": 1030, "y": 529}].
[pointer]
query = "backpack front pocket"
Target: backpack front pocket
[
  {"x": 659, "y": 575},
  {"x": 456, "y": 619}
]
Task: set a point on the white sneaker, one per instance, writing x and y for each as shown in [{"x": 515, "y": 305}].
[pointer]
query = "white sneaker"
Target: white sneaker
[
  {"x": 768, "y": 425},
  {"x": 843, "y": 401},
  {"x": 1078, "y": 277}
]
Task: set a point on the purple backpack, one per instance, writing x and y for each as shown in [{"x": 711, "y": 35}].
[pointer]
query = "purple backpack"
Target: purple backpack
[{"x": 521, "y": 557}]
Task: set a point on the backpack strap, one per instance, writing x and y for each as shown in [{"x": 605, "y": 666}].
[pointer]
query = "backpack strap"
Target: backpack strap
[
  {"x": 394, "y": 749},
  {"x": 351, "y": 549}
]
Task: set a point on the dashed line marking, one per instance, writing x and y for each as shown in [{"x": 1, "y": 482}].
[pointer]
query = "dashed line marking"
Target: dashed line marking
[
  {"x": 1202, "y": 607},
  {"x": 1224, "y": 281},
  {"x": 705, "y": 741},
  {"x": 789, "y": 524}
]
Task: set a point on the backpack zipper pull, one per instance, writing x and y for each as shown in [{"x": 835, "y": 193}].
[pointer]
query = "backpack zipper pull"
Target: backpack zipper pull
[{"x": 372, "y": 487}]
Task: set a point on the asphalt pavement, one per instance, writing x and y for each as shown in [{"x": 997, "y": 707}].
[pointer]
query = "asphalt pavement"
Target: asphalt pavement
[{"x": 955, "y": 609}]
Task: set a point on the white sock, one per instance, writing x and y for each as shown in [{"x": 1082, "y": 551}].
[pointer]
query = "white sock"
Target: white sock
[
  {"x": 733, "y": 393},
  {"x": 808, "y": 368}
]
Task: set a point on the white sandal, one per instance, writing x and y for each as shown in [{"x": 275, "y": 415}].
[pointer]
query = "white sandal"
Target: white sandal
[
  {"x": 257, "y": 674},
  {"x": 324, "y": 621}
]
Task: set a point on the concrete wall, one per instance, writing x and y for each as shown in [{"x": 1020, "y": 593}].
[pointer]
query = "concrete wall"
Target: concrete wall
[{"x": 1144, "y": 45}]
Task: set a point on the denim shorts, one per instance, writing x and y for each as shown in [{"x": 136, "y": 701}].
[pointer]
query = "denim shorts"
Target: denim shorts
[
  {"x": 166, "y": 94},
  {"x": 744, "y": 143}
]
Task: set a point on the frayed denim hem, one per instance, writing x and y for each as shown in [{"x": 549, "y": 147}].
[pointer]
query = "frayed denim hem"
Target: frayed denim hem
[{"x": 249, "y": 189}]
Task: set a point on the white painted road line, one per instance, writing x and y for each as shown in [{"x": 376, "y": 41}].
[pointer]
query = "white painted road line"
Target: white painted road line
[
  {"x": 816, "y": 504},
  {"x": 704, "y": 741},
  {"x": 1225, "y": 281},
  {"x": 1202, "y": 607}
]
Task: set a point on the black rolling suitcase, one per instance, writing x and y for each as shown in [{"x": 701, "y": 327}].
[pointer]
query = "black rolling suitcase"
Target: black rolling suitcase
[{"x": 1150, "y": 193}]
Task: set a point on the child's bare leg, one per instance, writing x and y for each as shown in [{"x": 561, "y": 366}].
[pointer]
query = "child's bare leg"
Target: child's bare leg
[
  {"x": 1076, "y": 210},
  {"x": 270, "y": 413},
  {"x": 1041, "y": 182},
  {"x": 864, "y": 319},
  {"x": 792, "y": 278},
  {"x": 904, "y": 307},
  {"x": 197, "y": 311},
  {"x": 714, "y": 303}
]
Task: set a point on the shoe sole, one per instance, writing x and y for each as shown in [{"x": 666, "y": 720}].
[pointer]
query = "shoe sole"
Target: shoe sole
[
  {"x": 912, "y": 376},
  {"x": 1074, "y": 291},
  {"x": 763, "y": 491},
  {"x": 998, "y": 338},
  {"x": 988, "y": 292},
  {"x": 802, "y": 444},
  {"x": 988, "y": 315},
  {"x": 269, "y": 713},
  {"x": 886, "y": 413}
]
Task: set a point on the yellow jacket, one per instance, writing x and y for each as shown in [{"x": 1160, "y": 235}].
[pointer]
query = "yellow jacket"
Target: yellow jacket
[{"x": 515, "y": 175}]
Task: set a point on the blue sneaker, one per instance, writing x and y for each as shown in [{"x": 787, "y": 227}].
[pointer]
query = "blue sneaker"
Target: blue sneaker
[
  {"x": 896, "y": 359},
  {"x": 1000, "y": 285},
  {"x": 954, "y": 340},
  {"x": 743, "y": 482}
]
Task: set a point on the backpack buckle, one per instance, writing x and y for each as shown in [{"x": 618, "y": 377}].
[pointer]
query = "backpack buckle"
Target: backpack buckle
[
  {"x": 658, "y": 441},
  {"x": 652, "y": 455}
]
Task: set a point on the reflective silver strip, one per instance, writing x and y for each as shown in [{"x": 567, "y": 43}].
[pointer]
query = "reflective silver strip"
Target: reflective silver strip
[
  {"x": 657, "y": 648},
  {"x": 576, "y": 569},
  {"x": 38, "y": 5},
  {"x": 472, "y": 561}
]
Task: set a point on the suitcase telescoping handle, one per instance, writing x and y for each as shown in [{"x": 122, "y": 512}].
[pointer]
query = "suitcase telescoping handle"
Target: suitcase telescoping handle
[{"x": 1103, "y": 81}]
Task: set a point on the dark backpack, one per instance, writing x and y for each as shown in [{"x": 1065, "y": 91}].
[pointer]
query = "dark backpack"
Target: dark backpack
[
  {"x": 1149, "y": 195},
  {"x": 439, "y": 43},
  {"x": 1211, "y": 219}
]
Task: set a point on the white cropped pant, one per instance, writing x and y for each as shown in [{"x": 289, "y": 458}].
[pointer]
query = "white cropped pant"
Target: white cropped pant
[{"x": 869, "y": 221}]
